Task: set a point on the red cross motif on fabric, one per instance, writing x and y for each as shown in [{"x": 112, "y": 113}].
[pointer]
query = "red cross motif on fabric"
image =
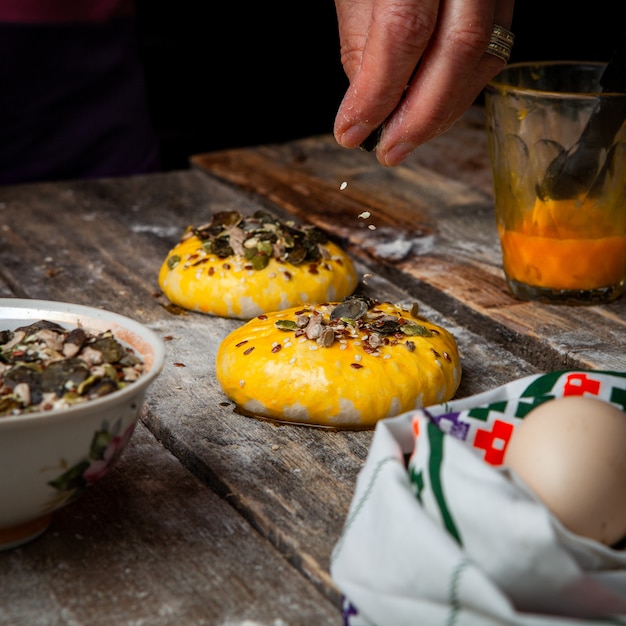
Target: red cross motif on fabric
[
  {"x": 578, "y": 384},
  {"x": 494, "y": 441}
]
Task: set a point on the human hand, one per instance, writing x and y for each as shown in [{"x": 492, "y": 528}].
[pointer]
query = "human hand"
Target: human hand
[{"x": 416, "y": 65}]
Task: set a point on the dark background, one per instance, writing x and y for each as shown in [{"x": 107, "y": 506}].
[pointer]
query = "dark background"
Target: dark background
[
  {"x": 239, "y": 74},
  {"x": 243, "y": 74}
]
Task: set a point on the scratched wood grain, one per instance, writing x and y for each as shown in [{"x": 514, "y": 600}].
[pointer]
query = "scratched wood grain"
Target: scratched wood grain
[
  {"x": 434, "y": 235},
  {"x": 151, "y": 545},
  {"x": 101, "y": 243}
]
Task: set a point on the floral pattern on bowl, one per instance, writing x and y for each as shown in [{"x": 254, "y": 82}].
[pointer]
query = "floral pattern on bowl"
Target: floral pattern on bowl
[{"x": 106, "y": 447}]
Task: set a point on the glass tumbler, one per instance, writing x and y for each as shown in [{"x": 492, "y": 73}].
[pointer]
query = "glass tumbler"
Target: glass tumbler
[{"x": 558, "y": 155}]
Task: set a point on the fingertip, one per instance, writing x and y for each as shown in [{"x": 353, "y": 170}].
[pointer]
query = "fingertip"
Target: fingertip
[
  {"x": 396, "y": 154},
  {"x": 353, "y": 136}
]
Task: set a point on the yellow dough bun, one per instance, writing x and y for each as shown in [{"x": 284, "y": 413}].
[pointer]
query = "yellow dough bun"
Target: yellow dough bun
[
  {"x": 241, "y": 266},
  {"x": 341, "y": 365}
]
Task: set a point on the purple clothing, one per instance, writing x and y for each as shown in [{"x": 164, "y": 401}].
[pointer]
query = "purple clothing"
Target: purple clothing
[{"x": 72, "y": 101}]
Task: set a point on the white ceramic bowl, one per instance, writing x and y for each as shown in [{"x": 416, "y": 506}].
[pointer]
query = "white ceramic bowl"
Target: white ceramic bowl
[{"x": 47, "y": 458}]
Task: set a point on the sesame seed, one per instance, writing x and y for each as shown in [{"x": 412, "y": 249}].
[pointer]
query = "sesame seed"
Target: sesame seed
[
  {"x": 313, "y": 346},
  {"x": 343, "y": 185},
  {"x": 357, "y": 357},
  {"x": 292, "y": 360},
  {"x": 364, "y": 215},
  {"x": 242, "y": 382}
]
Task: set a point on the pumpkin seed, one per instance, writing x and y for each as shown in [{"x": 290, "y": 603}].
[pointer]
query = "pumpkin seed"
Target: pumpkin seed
[{"x": 45, "y": 366}]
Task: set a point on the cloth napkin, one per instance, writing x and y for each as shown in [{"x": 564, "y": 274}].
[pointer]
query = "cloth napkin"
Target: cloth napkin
[{"x": 439, "y": 532}]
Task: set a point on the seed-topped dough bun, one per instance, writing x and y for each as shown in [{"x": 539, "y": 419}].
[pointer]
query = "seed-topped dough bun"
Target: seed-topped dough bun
[
  {"x": 344, "y": 365},
  {"x": 241, "y": 266}
]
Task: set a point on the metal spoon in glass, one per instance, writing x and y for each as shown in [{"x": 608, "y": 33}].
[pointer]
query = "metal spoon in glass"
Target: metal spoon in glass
[{"x": 576, "y": 172}]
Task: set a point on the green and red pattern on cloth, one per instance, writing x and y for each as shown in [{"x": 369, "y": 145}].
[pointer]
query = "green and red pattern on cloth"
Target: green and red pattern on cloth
[{"x": 440, "y": 532}]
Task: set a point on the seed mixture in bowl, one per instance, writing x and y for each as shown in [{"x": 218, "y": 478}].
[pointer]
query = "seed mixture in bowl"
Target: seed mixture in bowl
[{"x": 45, "y": 366}]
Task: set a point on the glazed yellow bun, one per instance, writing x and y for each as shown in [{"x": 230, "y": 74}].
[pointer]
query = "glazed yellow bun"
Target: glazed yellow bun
[
  {"x": 237, "y": 266},
  {"x": 342, "y": 365}
]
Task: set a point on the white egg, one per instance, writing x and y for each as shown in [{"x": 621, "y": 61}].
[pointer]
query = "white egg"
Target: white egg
[{"x": 571, "y": 452}]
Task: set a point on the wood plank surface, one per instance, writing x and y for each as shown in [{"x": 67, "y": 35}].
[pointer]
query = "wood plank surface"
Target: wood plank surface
[
  {"x": 101, "y": 244},
  {"x": 283, "y": 491},
  {"x": 151, "y": 545},
  {"x": 434, "y": 234}
]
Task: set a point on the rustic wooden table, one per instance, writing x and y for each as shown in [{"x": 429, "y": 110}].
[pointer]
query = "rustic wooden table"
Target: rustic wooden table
[{"x": 215, "y": 518}]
